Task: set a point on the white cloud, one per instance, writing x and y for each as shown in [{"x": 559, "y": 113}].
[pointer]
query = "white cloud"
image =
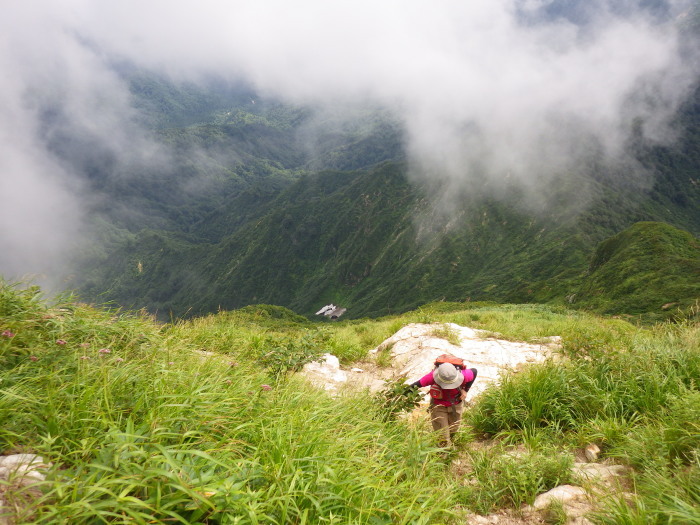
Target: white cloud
[
  {"x": 446, "y": 68},
  {"x": 481, "y": 93}
]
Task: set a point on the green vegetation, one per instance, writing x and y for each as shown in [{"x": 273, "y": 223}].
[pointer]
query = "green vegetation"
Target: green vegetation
[
  {"x": 648, "y": 268},
  {"x": 503, "y": 480},
  {"x": 154, "y": 429},
  {"x": 397, "y": 397},
  {"x": 265, "y": 202},
  {"x": 371, "y": 260},
  {"x": 203, "y": 421}
]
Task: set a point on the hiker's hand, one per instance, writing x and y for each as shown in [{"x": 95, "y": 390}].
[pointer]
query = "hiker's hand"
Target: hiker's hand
[{"x": 412, "y": 386}]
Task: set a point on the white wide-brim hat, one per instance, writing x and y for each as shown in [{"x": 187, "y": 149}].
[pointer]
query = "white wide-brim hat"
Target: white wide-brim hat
[{"x": 447, "y": 376}]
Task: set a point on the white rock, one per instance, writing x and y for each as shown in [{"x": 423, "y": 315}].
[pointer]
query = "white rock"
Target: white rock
[
  {"x": 15, "y": 460},
  {"x": 563, "y": 493},
  {"x": 413, "y": 350},
  {"x": 28, "y": 473},
  {"x": 23, "y": 469},
  {"x": 415, "y": 347},
  {"x": 592, "y": 452},
  {"x": 18, "y": 471},
  {"x": 598, "y": 471},
  {"x": 327, "y": 373},
  {"x": 579, "y": 520}
]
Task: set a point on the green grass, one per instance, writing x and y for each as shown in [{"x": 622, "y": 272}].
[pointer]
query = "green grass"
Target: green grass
[
  {"x": 203, "y": 421},
  {"x": 155, "y": 430},
  {"x": 501, "y": 479},
  {"x": 634, "y": 392}
]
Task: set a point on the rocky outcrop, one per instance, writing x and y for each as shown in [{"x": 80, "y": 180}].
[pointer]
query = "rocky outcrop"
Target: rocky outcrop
[
  {"x": 326, "y": 374},
  {"x": 20, "y": 478},
  {"x": 413, "y": 349}
]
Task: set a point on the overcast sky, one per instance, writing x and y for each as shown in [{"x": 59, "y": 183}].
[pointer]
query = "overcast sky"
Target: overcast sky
[{"x": 481, "y": 92}]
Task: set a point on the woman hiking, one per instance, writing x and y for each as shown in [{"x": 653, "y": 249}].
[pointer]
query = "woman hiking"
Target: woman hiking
[{"x": 449, "y": 383}]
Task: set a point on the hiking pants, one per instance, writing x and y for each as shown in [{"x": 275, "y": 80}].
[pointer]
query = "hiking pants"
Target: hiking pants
[{"x": 446, "y": 421}]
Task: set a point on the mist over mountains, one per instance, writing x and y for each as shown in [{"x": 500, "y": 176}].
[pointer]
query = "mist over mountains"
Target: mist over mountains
[{"x": 185, "y": 157}]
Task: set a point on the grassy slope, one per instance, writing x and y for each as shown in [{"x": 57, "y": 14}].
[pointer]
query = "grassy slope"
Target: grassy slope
[
  {"x": 645, "y": 268},
  {"x": 154, "y": 429}
]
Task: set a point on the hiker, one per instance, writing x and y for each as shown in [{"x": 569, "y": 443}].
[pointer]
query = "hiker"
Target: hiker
[{"x": 449, "y": 384}]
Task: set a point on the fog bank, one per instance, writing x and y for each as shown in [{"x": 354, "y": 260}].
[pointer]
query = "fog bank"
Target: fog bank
[{"x": 490, "y": 92}]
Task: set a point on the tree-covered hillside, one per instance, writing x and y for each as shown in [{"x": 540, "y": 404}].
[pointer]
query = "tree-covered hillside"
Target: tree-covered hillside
[
  {"x": 300, "y": 211},
  {"x": 647, "y": 268}
]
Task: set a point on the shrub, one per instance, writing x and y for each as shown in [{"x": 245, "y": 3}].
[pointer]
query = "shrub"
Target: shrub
[
  {"x": 282, "y": 354},
  {"x": 397, "y": 397}
]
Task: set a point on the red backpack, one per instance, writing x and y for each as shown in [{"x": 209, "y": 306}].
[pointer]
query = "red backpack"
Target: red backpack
[{"x": 458, "y": 362}]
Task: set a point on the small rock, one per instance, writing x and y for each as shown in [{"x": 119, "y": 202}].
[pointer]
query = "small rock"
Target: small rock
[
  {"x": 592, "y": 452},
  {"x": 15, "y": 460},
  {"x": 327, "y": 373},
  {"x": 579, "y": 520},
  {"x": 22, "y": 469},
  {"x": 563, "y": 493},
  {"x": 19, "y": 473},
  {"x": 597, "y": 471}
]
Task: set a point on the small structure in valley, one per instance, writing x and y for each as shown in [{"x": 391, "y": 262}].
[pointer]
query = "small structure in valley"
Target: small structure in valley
[{"x": 332, "y": 311}]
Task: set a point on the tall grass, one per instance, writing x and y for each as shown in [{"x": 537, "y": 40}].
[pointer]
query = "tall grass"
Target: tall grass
[
  {"x": 203, "y": 422},
  {"x": 634, "y": 392},
  {"x": 242, "y": 454},
  {"x": 154, "y": 431},
  {"x": 500, "y": 478}
]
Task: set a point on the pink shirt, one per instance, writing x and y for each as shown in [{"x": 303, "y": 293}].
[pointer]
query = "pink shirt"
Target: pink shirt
[{"x": 449, "y": 395}]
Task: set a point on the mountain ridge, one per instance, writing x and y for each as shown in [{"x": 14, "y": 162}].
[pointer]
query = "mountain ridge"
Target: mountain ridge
[
  {"x": 376, "y": 239},
  {"x": 321, "y": 247}
]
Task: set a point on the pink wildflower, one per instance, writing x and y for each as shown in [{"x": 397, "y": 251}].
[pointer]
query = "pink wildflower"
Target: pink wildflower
[
  {"x": 171, "y": 363},
  {"x": 104, "y": 351},
  {"x": 266, "y": 387},
  {"x": 228, "y": 381},
  {"x": 83, "y": 357},
  {"x": 33, "y": 358},
  {"x": 8, "y": 334},
  {"x": 85, "y": 345},
  {"x": 60, "y": 342},
  {"x": 118, "y": 360}
]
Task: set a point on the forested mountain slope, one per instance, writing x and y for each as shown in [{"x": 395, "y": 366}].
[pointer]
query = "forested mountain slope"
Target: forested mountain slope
[
  {"x": 270, "y": 228},
  {"x": 648, "y": 267},
  {"x": 360, "y": 239}
]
